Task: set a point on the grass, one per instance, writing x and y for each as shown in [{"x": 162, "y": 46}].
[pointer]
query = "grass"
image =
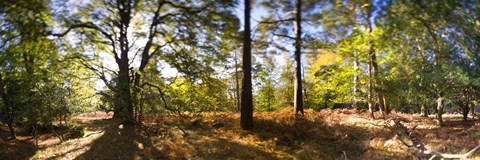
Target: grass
[{"x": 328, "y": 134}]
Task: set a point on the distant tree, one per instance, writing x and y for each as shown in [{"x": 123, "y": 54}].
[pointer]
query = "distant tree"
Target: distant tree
[
  {"x": 283, "y": 95},
  {"x": 278, "y": 24},
  {"x": 265, "y": 80}
]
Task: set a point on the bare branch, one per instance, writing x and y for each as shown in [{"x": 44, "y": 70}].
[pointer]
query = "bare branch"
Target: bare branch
[
  {"x": 277, "y": 21},
  {"x": 8, "y": 40},
  {"x": 100, "y": 74},
  {"x": 285, "y": 36},
  {"x": 162, "y": 96},
  {"x": 89, "y": 25}
]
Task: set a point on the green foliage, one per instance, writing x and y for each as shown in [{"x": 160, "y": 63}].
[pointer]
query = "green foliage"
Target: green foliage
[
  {"x": 196, "y": 97},
  {"x": 41, "y": 85}
]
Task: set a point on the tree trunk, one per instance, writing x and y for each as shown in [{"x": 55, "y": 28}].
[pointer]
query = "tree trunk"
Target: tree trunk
[
  {"x": 7, "y": 110},
  {"x": 269, "y": 97},
  {"x": 305, "y": 95},
  {"x": 237, "y": 89},
  {"x": 440, "y": 108},
  {"x": 381, "y": 105},
  {"x": 298, "y": 96},
  {"x": 373, "y": 61},
  {"x": 355, "y": 80},
  {"x": 465, "y": 107},
  {"x": 466, "y": 110},
  {"x": 423, "y": 110},
  {"x": 472, "y": 110},
  {"x": 387, "y": 108},
  {"x": 124, "y": 99},
  {"x": 246, "y": 116},
  {"x": 370, "y": 90}
]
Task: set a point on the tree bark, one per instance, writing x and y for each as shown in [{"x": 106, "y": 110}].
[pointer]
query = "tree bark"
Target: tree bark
[
  {"x": 387, "y": 107},
  {"x": 465, "y": 106},
  {"x": 246, "y": 116},
  {"x": 373, "y": 61},
  {"x": 440, "y": 108},
  {"x": 124, "y": 99},
  {"x": 423, "y": 110},
  {"x": 355, "y": 80},
  {"x": 370, "y": 91},
  {"x": 381, "y": 105},
  {"x": 472, "y": 111},
  {"x": 269, "y": 97},
  {"x": 298, "y": 96},
  {"x": 237, "y": 89},
  {"x": 7, "y": 110}
]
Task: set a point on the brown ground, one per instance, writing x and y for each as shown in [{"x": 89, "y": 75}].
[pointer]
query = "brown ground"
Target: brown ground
[{"x": 328, "y": 134}]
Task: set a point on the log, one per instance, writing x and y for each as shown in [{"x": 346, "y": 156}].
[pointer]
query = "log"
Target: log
[{"x": 417, "y": 146}]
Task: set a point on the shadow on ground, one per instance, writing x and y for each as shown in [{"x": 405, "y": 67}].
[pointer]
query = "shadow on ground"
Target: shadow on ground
[
  {"x": 120, "y": 142},
  {"x": 21, "y": 148},
  {"x": 275, "y": 136},
  {"x": 16, "y": 149}
]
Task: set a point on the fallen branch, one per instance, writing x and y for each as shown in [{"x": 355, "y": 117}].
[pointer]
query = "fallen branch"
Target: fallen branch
[
  {"x": 417, "y": 146},
  {"x": 446, "y": 155}
]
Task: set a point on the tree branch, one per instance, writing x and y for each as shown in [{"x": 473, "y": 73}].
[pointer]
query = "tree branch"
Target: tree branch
[
  {"x": 88, "y": 25},
  {"x": 277, "y": 21},
  {"x": 162, "y": 96},
  {"x": 100, "y": 74},
  {"x": 285, "y": 36}
]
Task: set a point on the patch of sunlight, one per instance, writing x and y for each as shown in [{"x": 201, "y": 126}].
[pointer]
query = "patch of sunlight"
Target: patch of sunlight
[
  {"x": 139, "y": 145},
  {"x": 69, "y": 149},
  {"x": 356, "y": 120}
]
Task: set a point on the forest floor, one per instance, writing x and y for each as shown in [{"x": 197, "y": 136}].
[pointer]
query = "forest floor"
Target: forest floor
[{"x": 328, "y": 134}]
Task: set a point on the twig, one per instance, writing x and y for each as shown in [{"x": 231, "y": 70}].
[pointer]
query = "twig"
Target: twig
[
  {"x": 345, "y": 155},
  {"x": 446, "y": 155}
]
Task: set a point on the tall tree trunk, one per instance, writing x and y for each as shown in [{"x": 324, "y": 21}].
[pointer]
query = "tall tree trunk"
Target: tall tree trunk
[
  {"x": 355, "y": 80},
  {"x": 381, "y": 105},
  {"x": 298, "y": 96},
  {"x": 124, "y": 99},
  {"x": 373, "y": 61},
  {"x": 124, "y": 86},
  {"x": 440, "y": 108},
  {"x": 8, "y": 117},
  {"x": 370, "y": 91},
  {"x": 237, "y": 89},
  {"x": 246, "y": 117}
]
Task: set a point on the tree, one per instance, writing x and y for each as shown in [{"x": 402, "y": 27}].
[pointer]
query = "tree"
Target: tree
[
  {"x": 170, "y": 31},
  {"x": 283, "y": 94},
  {"x": 266, "y": 84},
  {"x": 33, "y": 85},
  {"x": 246, "y": 118},
  {"x": 279, "y": 27},
  {"x": 298, "y": 98}
]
